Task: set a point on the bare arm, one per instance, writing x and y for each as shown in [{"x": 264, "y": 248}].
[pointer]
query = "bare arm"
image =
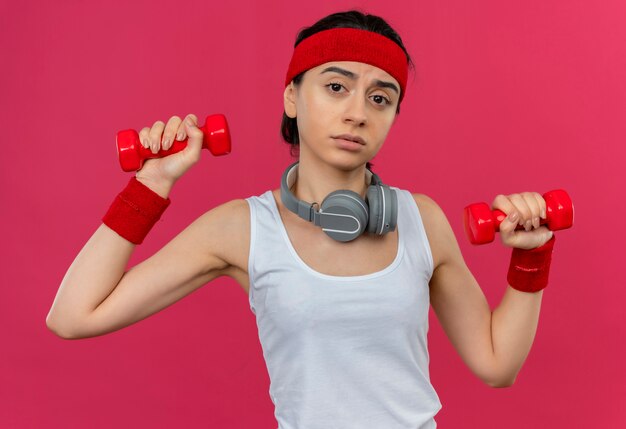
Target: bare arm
[
  {"x": 494, "y": 345},
  {"x": 98, "y": 296}
]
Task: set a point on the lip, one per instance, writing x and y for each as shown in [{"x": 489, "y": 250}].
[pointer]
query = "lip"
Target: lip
[
  {"x": 350, "y": 137},
  {"x": 348, "y": 145}
]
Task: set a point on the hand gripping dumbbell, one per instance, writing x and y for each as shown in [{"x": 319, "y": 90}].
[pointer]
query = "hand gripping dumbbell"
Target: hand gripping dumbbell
[
  {"x": 132, "y": 154},
  {"x": 482, "y": 223}
]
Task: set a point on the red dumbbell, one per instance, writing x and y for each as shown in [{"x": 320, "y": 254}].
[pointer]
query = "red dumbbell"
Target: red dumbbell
[
  {"x": 482, "y": 223},
  {"x": 132, "y": 154}
]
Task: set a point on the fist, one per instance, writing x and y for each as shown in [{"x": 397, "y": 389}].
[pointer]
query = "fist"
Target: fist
[
  {"x": 525, "y": 209},
  {"x": 161, "y": 173}
]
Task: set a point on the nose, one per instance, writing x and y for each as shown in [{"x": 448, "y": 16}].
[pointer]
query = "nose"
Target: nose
[{"x": 355, "y": 111}]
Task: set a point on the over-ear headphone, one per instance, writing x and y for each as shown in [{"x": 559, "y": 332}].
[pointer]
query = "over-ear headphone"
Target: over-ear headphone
[{"x": 343, "y": 214}]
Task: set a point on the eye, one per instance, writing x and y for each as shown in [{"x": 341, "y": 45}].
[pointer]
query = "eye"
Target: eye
[
  {"x": 334, "y": 87},
  {"x": 380, "y": 100}
]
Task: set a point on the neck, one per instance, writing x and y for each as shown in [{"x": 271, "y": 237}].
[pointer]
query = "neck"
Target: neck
[{"x": 315, "y": 180}]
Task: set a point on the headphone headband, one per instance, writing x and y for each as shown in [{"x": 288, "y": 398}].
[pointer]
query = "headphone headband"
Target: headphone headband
[
  {"x": 343, "y": 214},
  {"x": 299, "y": 207},
  {"x": 303, "y": 209}
]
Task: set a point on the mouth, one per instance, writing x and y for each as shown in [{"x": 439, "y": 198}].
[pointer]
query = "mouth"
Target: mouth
[{"x": 350, "y": 137}]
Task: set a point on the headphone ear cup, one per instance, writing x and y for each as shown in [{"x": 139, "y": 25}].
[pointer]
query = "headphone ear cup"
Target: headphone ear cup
[
  {"x": 344, "y": 215},
  {"x": 383, "y": 204}
]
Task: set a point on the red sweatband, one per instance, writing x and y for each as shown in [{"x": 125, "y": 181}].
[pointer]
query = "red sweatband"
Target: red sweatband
[
  {"x": 529, "y": 269},
  {"x": 350, "y": 44},
  {"x": 135, "y": 211}
]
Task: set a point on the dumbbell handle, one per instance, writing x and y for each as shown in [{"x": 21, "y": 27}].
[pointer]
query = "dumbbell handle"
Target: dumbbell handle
[
  {"x": 499, "y": 216},
  {"x": 132, "y": 154},
  {"x": 481, "y": 223}
]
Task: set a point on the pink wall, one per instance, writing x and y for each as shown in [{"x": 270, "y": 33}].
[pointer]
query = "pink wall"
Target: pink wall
[{"x": 508, "y": 97}]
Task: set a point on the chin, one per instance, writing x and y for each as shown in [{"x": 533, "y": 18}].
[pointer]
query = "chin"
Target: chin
[
  {"x": 342, "y": 160},
  {"x": 348, "y": 163}
]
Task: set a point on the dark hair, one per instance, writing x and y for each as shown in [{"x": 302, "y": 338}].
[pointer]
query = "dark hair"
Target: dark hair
[{"x": 349, "y": 19}]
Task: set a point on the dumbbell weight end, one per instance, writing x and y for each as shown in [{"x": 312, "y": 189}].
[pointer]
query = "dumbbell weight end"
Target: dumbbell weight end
[{"x": 132, "y": 154}]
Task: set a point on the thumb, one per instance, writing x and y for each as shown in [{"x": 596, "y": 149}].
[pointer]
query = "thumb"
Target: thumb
[
  {"x": 196, "y": 136},
  {"x": 508, "y": 235},
  {"x": 508, "y": 225}
]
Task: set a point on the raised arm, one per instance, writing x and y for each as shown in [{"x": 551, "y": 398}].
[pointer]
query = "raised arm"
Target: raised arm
[
  {"x": 97, "y": 294},
  {"x": 494, "y": 345}
]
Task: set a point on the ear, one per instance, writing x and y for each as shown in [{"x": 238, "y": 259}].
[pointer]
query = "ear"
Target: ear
[{"x": 290, "y": 100}]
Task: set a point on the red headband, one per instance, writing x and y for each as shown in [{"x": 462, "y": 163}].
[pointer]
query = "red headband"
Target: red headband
[{"x": 349, "y": 44}]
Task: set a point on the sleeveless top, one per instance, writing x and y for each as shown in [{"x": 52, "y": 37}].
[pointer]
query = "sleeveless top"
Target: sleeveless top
[{"x": 343, "y": 351}]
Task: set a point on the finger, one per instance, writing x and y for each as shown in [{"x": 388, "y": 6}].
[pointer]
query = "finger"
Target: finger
[
  {"x": 546, "y": 234},
  {"x": 502, "y": 203},
  {"x": 535, "y": 210},
  {"x": 538, "y": 237},
  {"x": 196, "y": 136},
  {"x": 525, "y": 213},
  {"x": 144, "y": 139},
  {"x": 155, "y": 136},
  {"x": 169, "y": 133},
  {"x": 181, "y": 133},
  {"x": 542, "y": 204}
]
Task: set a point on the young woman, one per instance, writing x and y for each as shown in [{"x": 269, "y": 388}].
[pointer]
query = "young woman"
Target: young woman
[{"x": 342, "y": 310}]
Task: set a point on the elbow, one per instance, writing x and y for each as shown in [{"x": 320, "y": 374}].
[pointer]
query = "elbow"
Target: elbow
[
  {"x": 61, "y": 331},
  {"x": 494, "y": 375},
  {"x": 56, "y": 330},
  {"x": 501, "y": 382},
  {"x": 74, "y": 328}
]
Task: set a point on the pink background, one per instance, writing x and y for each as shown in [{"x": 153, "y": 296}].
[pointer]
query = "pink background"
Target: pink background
[{"x": 508, "y": 97}]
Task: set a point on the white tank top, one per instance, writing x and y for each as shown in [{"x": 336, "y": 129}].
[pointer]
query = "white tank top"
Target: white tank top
[{"x": 343, "y": 351}]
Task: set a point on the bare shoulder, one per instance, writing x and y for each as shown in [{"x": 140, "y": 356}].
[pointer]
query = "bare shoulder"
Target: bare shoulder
[
  {"x": 236, "y": 210},
  {"x": 432, "y": 215},
  {"x": 438, "y": 230},
  {"x": 427, "y": 204},
  {"x": 225, "y": 230}
]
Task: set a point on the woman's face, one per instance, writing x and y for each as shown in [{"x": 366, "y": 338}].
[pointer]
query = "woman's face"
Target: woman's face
[{"x": 342, "y": 101}]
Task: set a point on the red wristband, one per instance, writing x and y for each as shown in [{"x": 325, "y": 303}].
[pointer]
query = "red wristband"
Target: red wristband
[
  {"x": 529, "y": 269},
  {"x": 135, "y": 211}
]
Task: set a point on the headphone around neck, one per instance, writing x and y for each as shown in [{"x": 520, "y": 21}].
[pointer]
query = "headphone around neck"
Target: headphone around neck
[{"x": 344, "y": 215}]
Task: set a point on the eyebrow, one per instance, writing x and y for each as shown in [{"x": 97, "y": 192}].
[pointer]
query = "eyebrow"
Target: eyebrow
[{"x": 353, "y": 76}]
